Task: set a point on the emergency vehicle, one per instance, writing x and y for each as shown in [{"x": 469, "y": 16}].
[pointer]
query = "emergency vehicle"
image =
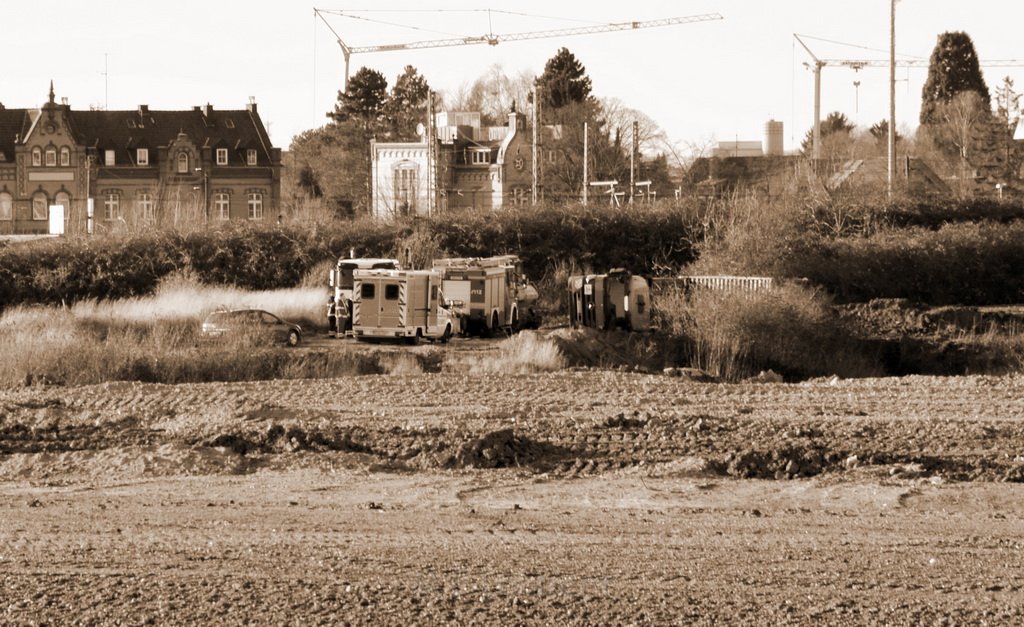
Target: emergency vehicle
[
  {"x": 339, "y": 306},
  {"x": 617, "y": 299},
  {"x": 397, "y": 304},
  {"x": 490, "y": 294}
]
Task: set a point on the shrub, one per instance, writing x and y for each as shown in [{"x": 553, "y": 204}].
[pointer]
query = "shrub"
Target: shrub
[{"x": 791, "y": 329}]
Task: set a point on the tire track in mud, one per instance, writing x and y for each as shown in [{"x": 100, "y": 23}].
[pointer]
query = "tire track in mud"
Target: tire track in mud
[{"x": 565, "y": 424}]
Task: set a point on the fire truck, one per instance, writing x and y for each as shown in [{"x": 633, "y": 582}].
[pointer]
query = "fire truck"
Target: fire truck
[
  {"x": 400, "y": 304},
  {"x": 617, "y": 299},
  {"x": 339, "y": 306},
  {"x": 489, "y": 294}
]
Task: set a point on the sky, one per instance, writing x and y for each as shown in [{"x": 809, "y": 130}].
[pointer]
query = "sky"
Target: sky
[{"x": 702, "y": 82}]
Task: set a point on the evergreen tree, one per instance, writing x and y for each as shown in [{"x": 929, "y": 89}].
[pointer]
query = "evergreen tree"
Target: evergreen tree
[
  {"x": 836, "y": 124},
  {"x": 407, "y": 105},
  {"x": 563, "y": 82},
  {"x": 953, "y": 68},
  {"x": 363, "y": 99}
]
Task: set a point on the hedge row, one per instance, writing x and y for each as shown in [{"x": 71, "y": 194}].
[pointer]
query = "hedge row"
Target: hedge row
[{"x": 249, "y": 257}]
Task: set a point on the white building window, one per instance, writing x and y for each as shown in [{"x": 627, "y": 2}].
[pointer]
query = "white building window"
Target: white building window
[
  {"x": 65, "y": 157},
  {"x": 108, "y": 157},
  {"x": 51, "y": 157},
  {"x": 111, "y": 205},
  {"x": 182, "y": 163},
  {"x": 250, "y": 156},
  {"x": 221, "y": 206},
  {"x": 255, "y": 206},
  {"x": 478, "y": 157},
  {"x": 405, "y": 190},
  {"x": 222, "y": 156},
  {"x": 37, "y": 157},
  {"x": 6, "y": 206},
  {"x": 142, "y": 156},
  {"x": 40, "y": 208},
  {"x": 145, "y": 208}
]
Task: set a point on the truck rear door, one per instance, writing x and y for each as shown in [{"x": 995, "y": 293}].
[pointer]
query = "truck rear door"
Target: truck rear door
[{"x": 391, "y": 304}]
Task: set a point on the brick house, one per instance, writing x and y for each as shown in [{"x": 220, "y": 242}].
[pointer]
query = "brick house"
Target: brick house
[
  {"x": 141, "y": 168},
  {"x": 473, "y": 166}
]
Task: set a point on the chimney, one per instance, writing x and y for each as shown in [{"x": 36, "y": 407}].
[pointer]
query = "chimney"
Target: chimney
[
  {"x": 143, "y": 110},
  {"x": 207, "y": 110},
  {"x": 251, "y": 107}
]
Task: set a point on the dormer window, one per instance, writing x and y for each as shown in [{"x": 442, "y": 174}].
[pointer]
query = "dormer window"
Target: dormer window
[
  {"x": 37, "y": 157},
  {"x": 108, "y": 157},
  {"x": 182, "y": 163},
  {"x": 51, "y": 157},
  {"x": 142, "y": 156},
  {"x": 250, "y": 156},
  {"x": 229, "y": 123},
  {"x": 222, "y": 156},
  {"x": 65, "y": 156},
  {"x": 131, "y": 123},
  {"x": 480, "y": 157}
]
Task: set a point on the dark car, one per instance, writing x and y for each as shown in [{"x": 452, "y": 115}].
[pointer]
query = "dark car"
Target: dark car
[{"x": 254, "y": 322}]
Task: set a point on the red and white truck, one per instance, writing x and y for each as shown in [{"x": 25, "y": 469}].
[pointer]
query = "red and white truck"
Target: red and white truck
[
  {"x": 400, "y": 304},
  {"x": 339, "y": 305},
  {"x": 489, "y": 294}
]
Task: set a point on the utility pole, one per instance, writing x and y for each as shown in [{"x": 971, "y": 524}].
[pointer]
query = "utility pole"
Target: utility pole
[
  {"x": 892, "y": 96},
  {"x": 431, "y": 157},
  {"x": 535, "y": 165},
  {"x": 586, "y": 176},
  {"x": 632, "y": 161}
]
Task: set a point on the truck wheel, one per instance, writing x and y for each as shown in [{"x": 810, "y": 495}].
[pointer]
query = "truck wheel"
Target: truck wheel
[
  {"x": 415, "y": 339},
  {"x": 447, "y": 334},
  {"x": 293, "y": 338},
  {"x": 515, "y": 320}
]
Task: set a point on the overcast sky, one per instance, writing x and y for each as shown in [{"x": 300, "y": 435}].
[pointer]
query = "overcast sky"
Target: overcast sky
[{"x": 714, "y": 80}]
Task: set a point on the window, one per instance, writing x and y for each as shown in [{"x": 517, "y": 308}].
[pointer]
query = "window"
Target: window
[
  {"x": 108, "y": 157},
  {"x": 111, "y": 204},
  {"x": 221, "y": 206},
  {"x": 391, "y": 291},
  {"x": 64, "y": 200},
  {"x": 142, "y": 156},
  {"x": 40, "y": 208},
  {"x": 51, "y": 157},
  {"x": 405, "y": 190},
  {"x": 222, "y": 156},
  {"x": 65, "y": 157},
  {"x": 229, "y": 123},
  {"x": 144, "y": 207},
  {"x": 367, "y": 291},
  {"x": 37, "y": 157},
  {"x": 255, "y": 206},
  {"x": 478, "y": 157},
  {"x": 6, "y": 206},
  {"x": 182, "y": 163},
  {"x": 250, "y": 156}
]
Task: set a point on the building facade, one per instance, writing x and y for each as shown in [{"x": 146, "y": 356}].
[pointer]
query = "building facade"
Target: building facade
[
  {"x": 139, "y": 168},
  {"x": 469, "y": 166}
]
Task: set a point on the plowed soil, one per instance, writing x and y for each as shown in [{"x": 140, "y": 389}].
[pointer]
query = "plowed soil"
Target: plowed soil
[{"x": 575, "y": 497}]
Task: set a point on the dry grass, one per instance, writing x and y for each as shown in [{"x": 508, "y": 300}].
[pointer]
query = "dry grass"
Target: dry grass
[
  {"x": 524, "y": 352},
  {"x": 791, "y": 329},
  {"x": 154, "y": 338}
]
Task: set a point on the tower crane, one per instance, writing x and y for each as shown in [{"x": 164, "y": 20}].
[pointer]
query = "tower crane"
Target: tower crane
[
  {"x": 859, "y": 64},
  {"x": 493, "y": 39}
]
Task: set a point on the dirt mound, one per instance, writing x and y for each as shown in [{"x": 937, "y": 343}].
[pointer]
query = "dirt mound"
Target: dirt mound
[
  {"x": 505, "y": 449},
  {"x": 592, "y": 348}
]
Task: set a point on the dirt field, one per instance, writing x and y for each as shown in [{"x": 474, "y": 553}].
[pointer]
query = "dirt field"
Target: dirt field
[{"x": 576, "y": 497}]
